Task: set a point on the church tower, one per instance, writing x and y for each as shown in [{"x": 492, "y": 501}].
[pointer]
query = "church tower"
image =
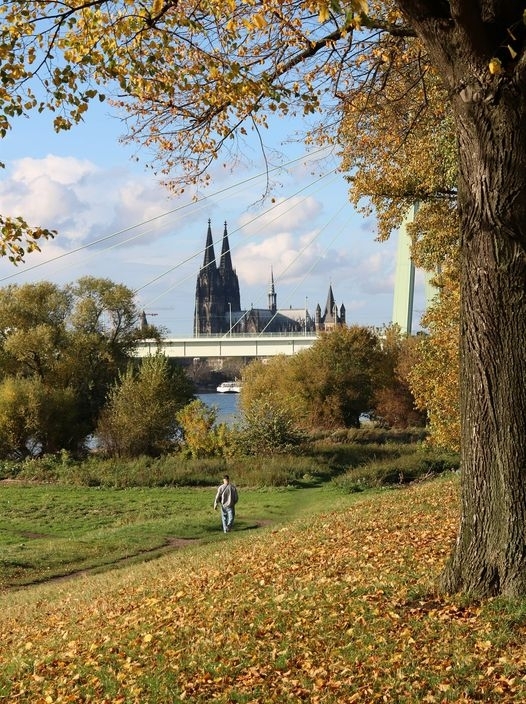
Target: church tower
[
  {"x": 217, "y": 289},
  {"x": 229, "y": 280},
  {"x": 331, "y": 317},
  {"x": 208, "y": 312}
]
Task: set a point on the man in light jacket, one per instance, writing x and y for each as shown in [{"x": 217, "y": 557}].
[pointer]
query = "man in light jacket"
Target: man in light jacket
[{"x": 226, "y": 497}]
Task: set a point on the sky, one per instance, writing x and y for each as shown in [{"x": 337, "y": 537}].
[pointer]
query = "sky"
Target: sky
[{"x": 116, "y": 220}]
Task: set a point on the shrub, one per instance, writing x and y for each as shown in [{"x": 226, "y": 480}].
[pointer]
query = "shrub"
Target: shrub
[
  {"x": 280, "y": 470},
  {"x": 140, "y": 415},
  {"x": 121, "y": 473},
  {"x": 36, "y": 419},
  {"x": 370, "y": 433},
  {"x": 266, "y": 430},
  {"x": 408, "y": 466},
  {"x": 201, "y": 437}
]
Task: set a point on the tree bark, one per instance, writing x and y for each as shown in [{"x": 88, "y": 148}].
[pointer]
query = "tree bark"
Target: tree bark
[{"x": 489, "y": 557}]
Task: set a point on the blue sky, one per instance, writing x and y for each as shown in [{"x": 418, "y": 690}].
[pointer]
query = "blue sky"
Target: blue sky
[{"x": 115, "y": 220}]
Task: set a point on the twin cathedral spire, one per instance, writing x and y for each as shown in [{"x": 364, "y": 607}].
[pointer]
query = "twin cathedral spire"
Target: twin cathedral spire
[{"x": 218, "y": 305}]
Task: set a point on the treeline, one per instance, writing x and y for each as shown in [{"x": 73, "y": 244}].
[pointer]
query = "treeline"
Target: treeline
[{"x": 67, "y": 375}]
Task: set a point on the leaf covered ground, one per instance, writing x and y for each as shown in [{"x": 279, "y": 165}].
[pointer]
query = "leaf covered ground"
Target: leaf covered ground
[{"x": 337, "y": 608}]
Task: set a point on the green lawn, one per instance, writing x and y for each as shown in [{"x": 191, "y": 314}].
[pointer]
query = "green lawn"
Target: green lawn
[{"x": 48, "y": 531}]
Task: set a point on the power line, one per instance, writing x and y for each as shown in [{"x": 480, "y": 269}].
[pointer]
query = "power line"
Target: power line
[
  {"x": 159, "y": 217},
  {"x": 234, "y": 232}
]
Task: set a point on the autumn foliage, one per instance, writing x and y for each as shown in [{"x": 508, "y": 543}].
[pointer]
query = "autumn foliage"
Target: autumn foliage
[
  {"x": 347, "y": 371},
  {"x": 339, "y": 608}
]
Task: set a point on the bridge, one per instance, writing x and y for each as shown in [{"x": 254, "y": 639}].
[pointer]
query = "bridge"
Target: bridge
[{"x": 254, "y": 345}]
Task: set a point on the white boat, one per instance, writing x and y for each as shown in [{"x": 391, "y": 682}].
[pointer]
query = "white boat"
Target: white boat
[{"x": 229, "y": 387}]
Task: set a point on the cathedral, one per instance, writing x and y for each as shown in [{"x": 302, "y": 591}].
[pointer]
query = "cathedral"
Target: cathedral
[{"x": 218, "y": 303}]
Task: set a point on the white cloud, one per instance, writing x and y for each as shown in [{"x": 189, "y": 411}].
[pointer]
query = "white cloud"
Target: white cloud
[
  {"x": 82, "y": 201},
  {"x": 283, "y": 215},
  {"x": 63, "y": 170},
  {"x": 289, "y": 256}
]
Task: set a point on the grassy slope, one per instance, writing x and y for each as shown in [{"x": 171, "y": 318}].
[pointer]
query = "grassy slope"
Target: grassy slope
[
  {"x": 335, "y": 608},
  {"x": 48, "y": 530}
]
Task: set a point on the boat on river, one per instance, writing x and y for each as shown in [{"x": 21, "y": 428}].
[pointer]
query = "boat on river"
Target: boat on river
[{"x": 229, "y": 387}]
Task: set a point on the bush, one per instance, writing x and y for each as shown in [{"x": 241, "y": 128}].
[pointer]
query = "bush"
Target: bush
[
  {"x": 409, "y": 466},
  {"x": 47, "y": 468},
  {"x": 171, "y": 470},
  {"x": 201, "y": 436},
  {"x": 267, "y": 430},
  {"x": 140, "y": 415},
  {"x": 370, "y": 433},
  {"x": 280, "y": 470},
  {"x": 36, "y": 419}
]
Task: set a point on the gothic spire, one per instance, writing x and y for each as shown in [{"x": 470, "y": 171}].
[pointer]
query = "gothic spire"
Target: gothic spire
[
  {"x": 329, "y": 306},
  {"x": 272, "y": 298},
  {"x": 210, "y": 257},
  {"x": 228, "y": 277},
  {"x": 225, "y": 264}
]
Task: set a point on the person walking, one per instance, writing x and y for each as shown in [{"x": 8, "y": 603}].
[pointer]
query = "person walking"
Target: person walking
[{"x": 226, "y": 497}]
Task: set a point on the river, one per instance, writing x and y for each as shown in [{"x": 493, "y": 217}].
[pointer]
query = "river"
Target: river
[{"x": 226, "y": 404}]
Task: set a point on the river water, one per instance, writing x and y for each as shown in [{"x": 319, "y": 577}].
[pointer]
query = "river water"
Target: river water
[{"x": 226, "y": 405}]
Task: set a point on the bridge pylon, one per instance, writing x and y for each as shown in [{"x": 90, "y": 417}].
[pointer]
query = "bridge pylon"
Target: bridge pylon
[{"x": 404, "y": 286}]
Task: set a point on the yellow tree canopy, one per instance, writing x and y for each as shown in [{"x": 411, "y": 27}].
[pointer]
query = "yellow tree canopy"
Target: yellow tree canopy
[{"x": 192, "y": 76}]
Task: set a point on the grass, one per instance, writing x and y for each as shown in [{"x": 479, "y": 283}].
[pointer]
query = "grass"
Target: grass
[
  {"x": 58, "y": 516},
  {"x": 48, "y": 531},
  {"x": 337, "y": 605}
]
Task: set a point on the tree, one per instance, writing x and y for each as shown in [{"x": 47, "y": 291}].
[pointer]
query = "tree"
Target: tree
[
  {"x": 394, "y": 403},
  {"x": 36, "y": 419},
  {"x": 433, "y": 374},
  {"x": 104, "y": 322},
  {"x": 335, "y": 377},
  {"x": 304, "y": 56},
  {"x": 72, "y": 341},
  {"x": 479, "y": 51},
  {"x": 272, "y": 383},
  {"x": 140, "y": 415},
  {"x": 328, "y": 385}
]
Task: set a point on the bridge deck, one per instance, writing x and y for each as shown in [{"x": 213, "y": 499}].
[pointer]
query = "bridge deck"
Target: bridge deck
[{"x": 227, "y": 346}]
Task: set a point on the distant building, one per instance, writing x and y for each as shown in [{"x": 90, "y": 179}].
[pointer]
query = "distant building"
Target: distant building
[
  {"x": 332, "y": 316},
  {"x": 218, "y": 308}
]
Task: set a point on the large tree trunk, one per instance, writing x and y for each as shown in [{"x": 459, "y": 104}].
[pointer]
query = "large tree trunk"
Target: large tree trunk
[
  {"x": 490, "y": 109},
  {"x": 490, "y": 555}
]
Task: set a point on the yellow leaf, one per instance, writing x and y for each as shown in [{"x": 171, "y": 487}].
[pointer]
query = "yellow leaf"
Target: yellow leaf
[
  {"x": 157, "y": 7},
  {"x": 360, "y": 6},
  {"x": 495, "y": 66},
  {"x": 483, "y": 645},
  {"x": 324, "y": 13},
  {"x": 259, "y": 21}
]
